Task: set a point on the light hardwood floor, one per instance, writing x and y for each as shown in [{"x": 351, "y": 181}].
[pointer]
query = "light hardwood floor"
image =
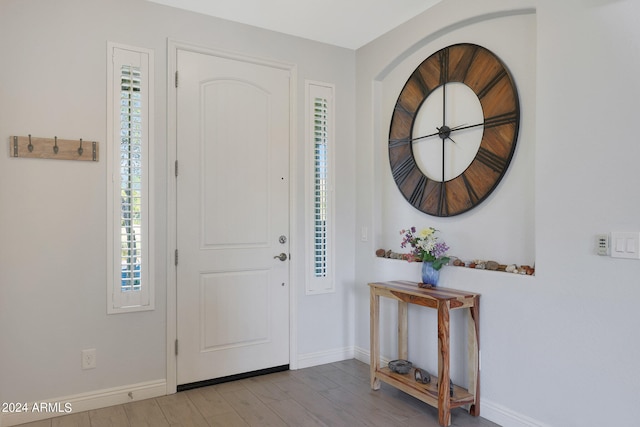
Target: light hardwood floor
[{"x": 336, "y": 394}]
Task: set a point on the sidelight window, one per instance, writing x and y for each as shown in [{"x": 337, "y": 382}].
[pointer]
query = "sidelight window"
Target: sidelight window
[
  {"x": 130, "y": 283},
  {"x": 321, "y": 146}
]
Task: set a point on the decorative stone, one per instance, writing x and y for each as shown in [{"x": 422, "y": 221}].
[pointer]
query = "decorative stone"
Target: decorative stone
[
  {"x": 491, "y": 265},
  {"x": 457, "y": 262},
  {"x": 400, "y": 366}
]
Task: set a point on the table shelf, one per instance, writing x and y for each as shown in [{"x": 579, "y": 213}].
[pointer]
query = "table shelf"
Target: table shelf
[
  {"x": 437, "y": 392},
  {"x": 427, "y": 393}
]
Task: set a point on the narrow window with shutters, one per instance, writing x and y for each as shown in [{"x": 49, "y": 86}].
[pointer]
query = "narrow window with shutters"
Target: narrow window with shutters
[
  {"x": 320, "y": 145},
  {"x": 130, "y": 278}
]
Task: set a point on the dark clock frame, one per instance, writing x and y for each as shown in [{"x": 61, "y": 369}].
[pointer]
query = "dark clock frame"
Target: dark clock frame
[{"x": 487, "y": 76}]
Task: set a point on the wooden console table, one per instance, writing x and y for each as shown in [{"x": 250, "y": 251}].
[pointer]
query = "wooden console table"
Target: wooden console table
[{"x": 436, "y": 393}]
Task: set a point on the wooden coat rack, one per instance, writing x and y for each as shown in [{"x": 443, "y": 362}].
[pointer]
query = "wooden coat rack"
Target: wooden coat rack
[{"x": 53, "y": 148}]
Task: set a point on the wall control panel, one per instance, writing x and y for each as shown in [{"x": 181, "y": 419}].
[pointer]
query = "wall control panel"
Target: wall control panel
[{"x": 620, "y": 244}]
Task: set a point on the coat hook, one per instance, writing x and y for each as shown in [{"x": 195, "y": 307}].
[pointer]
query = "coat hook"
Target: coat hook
[
  {"x": 30, "y": 146},
  {"x": 55, "y": 144},
  {"x": 80, "y": 149}
]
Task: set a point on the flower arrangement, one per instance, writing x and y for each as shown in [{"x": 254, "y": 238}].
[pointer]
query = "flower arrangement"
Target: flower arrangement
[{"x": 426, "y": 246}]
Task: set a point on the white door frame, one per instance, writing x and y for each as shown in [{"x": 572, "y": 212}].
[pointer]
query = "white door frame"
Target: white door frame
[{"x": 172, "y": 309}]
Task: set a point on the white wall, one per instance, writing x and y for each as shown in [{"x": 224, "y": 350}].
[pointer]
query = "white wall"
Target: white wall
[
  {"x": 52, "y": 213},
  {"x": 559, "y": 348}
]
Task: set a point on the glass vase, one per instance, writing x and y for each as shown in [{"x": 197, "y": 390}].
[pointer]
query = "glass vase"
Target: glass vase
[{"x": 430, "y": 275}]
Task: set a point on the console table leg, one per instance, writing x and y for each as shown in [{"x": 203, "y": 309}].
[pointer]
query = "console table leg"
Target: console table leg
[
  {"x": 403, "y": 342},
  {"x": 374, "y": 329},
  {"x": 444, "y": 399},
  {"x": 473, "y": 347}
]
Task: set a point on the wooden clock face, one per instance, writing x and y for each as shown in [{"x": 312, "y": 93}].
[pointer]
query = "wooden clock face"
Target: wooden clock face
[{"x": 454, "y": 130}]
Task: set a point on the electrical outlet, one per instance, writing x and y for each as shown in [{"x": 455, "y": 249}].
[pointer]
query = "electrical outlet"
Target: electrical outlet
[{"x": 89, "y": 358}]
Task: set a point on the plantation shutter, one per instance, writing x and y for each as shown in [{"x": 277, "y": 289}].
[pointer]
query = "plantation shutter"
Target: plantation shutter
[
  {"x": 320, "y": 146},
  {"x": 320, "y": 137},
  {"x": 131, "y": 208},
  {"x": 131, "y": 248}
]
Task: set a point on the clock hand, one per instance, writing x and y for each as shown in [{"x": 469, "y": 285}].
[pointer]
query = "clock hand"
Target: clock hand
[
  {"x": 493, "y": 121},
  {"x": 425, "y": 136},
  {"x": 443, "y": 139},
  {"x": 465, "y": 126},
  {"x": 446, "y": 132},
  {"x": 444, "y": 104},
  {"x": 442, "y": 130}
]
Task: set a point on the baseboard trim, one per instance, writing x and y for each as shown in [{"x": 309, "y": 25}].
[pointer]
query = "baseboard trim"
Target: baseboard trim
[
  {"x": 85, "y": 402},
  {"x": 488, "y": 409},
  {"x": 364, "y": 356},
  {"x": 506, "y": 417},
  {"x": 323, "y": 357}
]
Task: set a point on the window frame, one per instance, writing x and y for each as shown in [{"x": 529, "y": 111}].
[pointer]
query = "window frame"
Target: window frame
[
  {"x": 324, "y": 284},
  {"x": 118, "y": 300}
]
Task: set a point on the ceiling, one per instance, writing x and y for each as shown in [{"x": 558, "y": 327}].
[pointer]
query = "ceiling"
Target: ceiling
[{"x": 346, "y": 23}]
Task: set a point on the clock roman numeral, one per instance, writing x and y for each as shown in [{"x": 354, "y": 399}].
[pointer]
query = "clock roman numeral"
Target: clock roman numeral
[
  {"x": 417, "y": 78},
  {"x": 444, "y": 66},
  {"x": 400, "y": 108},
  {"x": 473, "y": 196},
  {"x": 459, "y": 71},
  {"x": 403, "y": 169},
  {"x": 399, "y": 142},
  {"x": 418, "y": 192},
  {"x": 492, "y": 160},
  {"x": 442, "y": 200},
  {"x": 501, "y": 119},
  {"x": 492, "y": 83}
]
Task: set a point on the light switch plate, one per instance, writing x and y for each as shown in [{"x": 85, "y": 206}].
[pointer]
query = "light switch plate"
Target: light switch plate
[{"x": 625, "y": 244}]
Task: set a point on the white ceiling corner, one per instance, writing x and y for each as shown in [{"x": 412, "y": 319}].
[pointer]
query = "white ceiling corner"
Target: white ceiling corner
[{"x": 345, "y": 23}]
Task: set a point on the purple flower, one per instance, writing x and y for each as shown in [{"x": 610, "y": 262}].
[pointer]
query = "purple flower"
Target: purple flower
[{"x": 439, "y": 249}]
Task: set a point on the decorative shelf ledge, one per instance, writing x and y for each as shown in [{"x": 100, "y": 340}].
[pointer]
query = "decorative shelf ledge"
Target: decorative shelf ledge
[{"x": 473, "y": 264}]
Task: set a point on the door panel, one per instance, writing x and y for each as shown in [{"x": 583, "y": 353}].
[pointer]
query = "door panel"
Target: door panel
[
  {"x": 235, "y": 205},
  {"x": 227, "y": 325},
  {"x": 232, "y": 206}
]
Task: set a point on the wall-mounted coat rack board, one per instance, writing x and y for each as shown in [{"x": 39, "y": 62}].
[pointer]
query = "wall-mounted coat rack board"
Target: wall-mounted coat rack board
[{"x": 53, "y": 148}]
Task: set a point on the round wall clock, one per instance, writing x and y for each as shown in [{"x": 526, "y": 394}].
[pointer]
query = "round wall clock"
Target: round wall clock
[{"x": 454, "y": 130}]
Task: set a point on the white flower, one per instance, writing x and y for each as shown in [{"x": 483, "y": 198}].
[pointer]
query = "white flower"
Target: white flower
[{"x": 426, "y": 232}]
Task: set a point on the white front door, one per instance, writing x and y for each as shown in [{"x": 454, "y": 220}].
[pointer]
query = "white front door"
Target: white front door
[{"x": 232, "y": 209}]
